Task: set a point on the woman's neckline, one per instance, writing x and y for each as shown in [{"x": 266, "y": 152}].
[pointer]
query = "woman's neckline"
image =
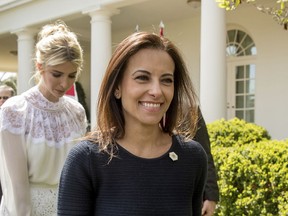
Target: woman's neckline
[{"x": 146, "y": 158}]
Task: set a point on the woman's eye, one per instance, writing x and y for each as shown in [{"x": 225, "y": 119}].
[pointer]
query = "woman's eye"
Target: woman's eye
[
  {"x": 72, "y": 76},
  {"x": 168, "y": 80},
  {"x": 142, "y": 78},
  {"x": 56, "y": 74}
]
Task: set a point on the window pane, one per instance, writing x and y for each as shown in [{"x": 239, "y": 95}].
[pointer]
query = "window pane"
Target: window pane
[
  {"x": 250, "y": 101},
  {"x": 250, "y": 71},
  {"x": 239, "y": 101},
  {"x": 247, "y": 42},
  {"x": 231, "y": 50},
  {"x": 250, "y": 49},
  {"x": 239, "y": 87},
  {"x": 231, "y": 35},
  {"x": 240, "y": 35},
  {"x": 253, "y": 50},
  {"x": 240, "y": 114},
  {"x": 240, "y": 51},
  {"x": 250, "y": 86},
  {"x": 240, "y": 72},
  {"x": 249, "y": 115}
]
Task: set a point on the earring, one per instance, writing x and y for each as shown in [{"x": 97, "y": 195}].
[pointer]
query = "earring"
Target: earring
[
  {"x": 117, "y": 94},
  {"x": 164, "y": 120}
]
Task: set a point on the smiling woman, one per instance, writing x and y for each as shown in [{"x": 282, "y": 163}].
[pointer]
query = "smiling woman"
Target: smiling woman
[
  {"x": 139, "y": 160},
  {"x": 40, "y": 126},
  {"x": 147, "y": 87}
]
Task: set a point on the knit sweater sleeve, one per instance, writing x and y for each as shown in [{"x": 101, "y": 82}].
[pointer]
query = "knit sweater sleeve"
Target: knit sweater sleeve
[{"x": 75, "y": 183}]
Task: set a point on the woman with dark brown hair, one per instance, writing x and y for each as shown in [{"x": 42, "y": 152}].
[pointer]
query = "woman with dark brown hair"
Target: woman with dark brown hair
[{"x": 140, "y": 159}]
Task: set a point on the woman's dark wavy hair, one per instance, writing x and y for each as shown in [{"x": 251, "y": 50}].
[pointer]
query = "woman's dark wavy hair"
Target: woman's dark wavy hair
[{"x": 181, "y": 116}]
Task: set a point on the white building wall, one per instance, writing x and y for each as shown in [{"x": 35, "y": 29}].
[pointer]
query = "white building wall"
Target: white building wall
[{"x": 271, "y": 69}]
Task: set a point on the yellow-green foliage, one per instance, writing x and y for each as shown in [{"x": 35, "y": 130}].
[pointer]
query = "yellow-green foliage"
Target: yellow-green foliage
[
  {"x": 232, "y": 132},
  {"x": 253, "y": 176}
]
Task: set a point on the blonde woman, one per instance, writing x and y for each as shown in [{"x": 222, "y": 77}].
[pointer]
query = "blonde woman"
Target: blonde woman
[{"x": 39, "y": 127}]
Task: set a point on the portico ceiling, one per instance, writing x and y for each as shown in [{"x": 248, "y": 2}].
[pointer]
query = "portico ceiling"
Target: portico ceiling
[{"x": 144, "y": 13}]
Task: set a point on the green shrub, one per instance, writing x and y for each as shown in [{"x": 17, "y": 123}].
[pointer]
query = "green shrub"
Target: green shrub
[
  {"x": 253, "y": 176},
  {"x": 235, "y": 131}
]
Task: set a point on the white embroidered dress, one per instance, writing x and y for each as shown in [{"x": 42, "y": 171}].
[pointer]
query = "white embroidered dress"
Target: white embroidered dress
[{"x": 35, "y": 137}]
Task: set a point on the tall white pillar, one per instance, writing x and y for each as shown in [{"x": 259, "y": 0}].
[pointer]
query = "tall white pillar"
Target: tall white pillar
[
  {"x": 25, "y": 44},
  {"x": 101, "y": 50},
  {"x": 213, "y": 61}
]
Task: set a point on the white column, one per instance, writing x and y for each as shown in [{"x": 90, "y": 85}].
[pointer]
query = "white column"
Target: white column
[
  {"x": 26, "y": 44},
  {"x": 213, "y": 61},
  {"x": 101, "y": 50}
]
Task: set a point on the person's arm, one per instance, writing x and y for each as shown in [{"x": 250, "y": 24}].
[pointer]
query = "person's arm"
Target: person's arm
[
  {"x": 14, "y": 174},
  {"x": 211, "y": 192},
  {"x": 197, "y": 199},
  {"x": 75, "y": 189}
]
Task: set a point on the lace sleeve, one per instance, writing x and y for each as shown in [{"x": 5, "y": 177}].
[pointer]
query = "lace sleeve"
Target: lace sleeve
[
  {"x": 77, "y": 114},
  {"x": 12, "y": 115}
]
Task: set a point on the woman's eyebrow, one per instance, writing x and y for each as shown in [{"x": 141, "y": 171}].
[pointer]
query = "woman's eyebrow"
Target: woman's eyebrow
[
  {"x": 141, "y": 71},
  {"x": 168, "y": 74}
]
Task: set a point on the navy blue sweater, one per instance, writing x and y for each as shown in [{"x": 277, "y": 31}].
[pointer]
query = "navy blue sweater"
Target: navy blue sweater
[{"x": 133, "y": 186}]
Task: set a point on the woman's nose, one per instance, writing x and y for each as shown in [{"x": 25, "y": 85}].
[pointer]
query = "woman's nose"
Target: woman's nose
[
  {"x": 155, "y": 89},
  {"x": 65, "y": 83}
]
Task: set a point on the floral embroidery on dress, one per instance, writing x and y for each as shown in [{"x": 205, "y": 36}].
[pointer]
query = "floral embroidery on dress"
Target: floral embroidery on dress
[{"x": 42, "y": 120}]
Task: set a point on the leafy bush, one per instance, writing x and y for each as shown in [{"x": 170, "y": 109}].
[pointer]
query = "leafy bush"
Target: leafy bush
[
  {"x": 235, "y": 131},
  {"x": 253, "y": 176}
]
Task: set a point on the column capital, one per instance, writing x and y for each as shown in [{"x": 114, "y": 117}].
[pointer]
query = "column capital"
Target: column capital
[
  {"x": 24, "y": 33},
  {"x": 99, "y": 12}
]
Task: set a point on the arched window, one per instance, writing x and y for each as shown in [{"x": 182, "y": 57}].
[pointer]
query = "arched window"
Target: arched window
[
  {"x": 239, "y": 43},
  {"x": 241, "y": 69}
]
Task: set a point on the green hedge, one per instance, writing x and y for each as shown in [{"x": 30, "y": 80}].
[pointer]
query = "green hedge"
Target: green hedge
[
  {"x": 235, "y": 131},
  {"x": 252, "y": 170}
]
